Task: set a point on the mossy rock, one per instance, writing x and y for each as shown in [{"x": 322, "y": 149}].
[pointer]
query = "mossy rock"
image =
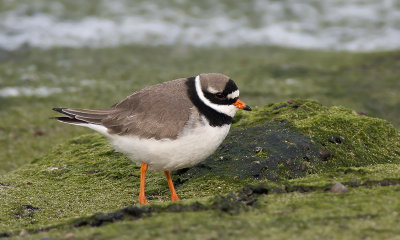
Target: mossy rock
[
  {"x": 290, "y": 140},
  {"x": 278, "y": 144}
]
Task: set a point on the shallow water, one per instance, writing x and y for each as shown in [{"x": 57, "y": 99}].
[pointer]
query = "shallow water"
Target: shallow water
[{"x": 330, "y": 24}]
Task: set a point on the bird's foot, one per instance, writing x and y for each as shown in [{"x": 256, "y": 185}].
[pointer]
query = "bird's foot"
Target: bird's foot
[
  {"x": 142, "y": 200},
  {"x": 174, "y": 198}
]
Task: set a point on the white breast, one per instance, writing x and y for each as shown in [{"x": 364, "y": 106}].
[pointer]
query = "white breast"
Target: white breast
[{"x": 192, "y": 146}]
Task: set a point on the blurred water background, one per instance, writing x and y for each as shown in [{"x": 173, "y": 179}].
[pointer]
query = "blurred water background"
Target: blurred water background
[{"x": 355, "y": 25}]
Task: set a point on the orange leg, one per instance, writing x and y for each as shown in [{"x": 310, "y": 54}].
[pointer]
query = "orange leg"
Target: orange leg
[
  {"x": 174, "y": 196},
  {"x": 143, "y": 169}
]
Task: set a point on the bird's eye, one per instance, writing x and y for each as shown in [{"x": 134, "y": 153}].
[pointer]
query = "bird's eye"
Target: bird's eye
[{"x": 220, "y": 95}]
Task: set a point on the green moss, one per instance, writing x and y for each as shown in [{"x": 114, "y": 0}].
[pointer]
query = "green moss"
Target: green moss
[
  {"x": 73, "y": 179},
  {"x": 301, "y": 137},
  {"x": 284, "y": 142},
  {"x": 352, "y": 138},
  {"x": 370, "y": 213},
  {"x": 366, "y": 82}
]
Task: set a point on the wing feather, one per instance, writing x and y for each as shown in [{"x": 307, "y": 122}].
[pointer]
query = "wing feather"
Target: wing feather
[{"x": 160, "y": 111}]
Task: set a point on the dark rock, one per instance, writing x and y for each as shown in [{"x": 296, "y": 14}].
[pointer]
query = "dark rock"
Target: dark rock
[
  {"x": 203, "y": 165},
  {"x": 285, "y": 146},
  {"x": 305, "y": 146},
  {"x": 295, "y": 106},
  {"x": 98, "y": 219},
  {"x": 230, "y": 204},
  {"x": 385, "y": 182},
  {"x": 176, "y": 208},
  {"x": 355, "y": 182},
  {"x": 336, "y": 139},
  {"x": 30, "y": 207},
  {"x": 194, "y": 207},
  {"x": 5, "y": 235},
  {"x": 279, "y": 107},
  {"x": 181, "y": 171},
  {"x": 26, "y": 211},
  {"x": 257, "y": 189}
]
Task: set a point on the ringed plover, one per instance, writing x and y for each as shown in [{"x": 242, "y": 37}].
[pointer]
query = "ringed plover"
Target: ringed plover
[{"x": 168, "y": 126}]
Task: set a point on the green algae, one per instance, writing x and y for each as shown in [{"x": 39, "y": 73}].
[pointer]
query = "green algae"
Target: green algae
[
  {"x": 353, "y": 139},
  {"x": 301, "y": 137},
  {"x": 98, "y": 78},
  {"x": 370, "y": 213},
  {"x": 76, "y": 180},
  {"x": 72, "y": 180}
]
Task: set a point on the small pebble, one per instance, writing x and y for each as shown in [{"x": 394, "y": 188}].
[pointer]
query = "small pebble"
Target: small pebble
[
  {"x": 336, "y": 139},
  {"x": 303, "y": 168},
  {"x": 69, "y": 235},
  {"x": 23, "y": 232},
  {"x": 324, "y": 154},
  {"x": 339, "y": 188},
  {"x": 258, "y": 149},
  {"x": 38, "y": 133}
]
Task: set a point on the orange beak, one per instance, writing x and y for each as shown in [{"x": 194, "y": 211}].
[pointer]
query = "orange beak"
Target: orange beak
[{"x": 241, "y": 105}]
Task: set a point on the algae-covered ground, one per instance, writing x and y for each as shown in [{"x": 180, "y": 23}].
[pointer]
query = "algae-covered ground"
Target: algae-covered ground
[
  {"x": 98, "y": 78},
  {"x": 271, "y": 178}
]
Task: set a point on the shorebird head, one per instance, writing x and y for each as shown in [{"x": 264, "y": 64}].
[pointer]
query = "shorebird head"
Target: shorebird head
[{"x": 220, "y": 93}]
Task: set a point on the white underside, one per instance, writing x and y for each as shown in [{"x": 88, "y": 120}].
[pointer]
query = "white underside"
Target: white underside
[{"x": 190, "y": 148}]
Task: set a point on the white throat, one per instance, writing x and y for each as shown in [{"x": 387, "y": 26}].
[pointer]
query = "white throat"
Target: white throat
[{"x": 229, "y": 110}]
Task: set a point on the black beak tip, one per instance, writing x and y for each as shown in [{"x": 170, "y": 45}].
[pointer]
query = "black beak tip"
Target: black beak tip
[{"x": 247, "y": 108}]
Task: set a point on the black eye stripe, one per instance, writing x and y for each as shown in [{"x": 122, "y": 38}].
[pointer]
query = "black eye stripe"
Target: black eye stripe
[
  {"x": 230, "y": 87},
  {"x": 214, "y": 99},
  {"x": 220, "y": 95}
]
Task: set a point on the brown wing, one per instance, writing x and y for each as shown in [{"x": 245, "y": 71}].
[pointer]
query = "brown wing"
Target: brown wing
[{"x": 160, "y": 111}]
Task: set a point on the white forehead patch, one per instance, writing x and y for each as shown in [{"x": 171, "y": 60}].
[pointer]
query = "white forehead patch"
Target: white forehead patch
[
  {"x": 212, "y": 90},
  {"x": 229, "y": 110},
  {"x": 233, "y": 95}
]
